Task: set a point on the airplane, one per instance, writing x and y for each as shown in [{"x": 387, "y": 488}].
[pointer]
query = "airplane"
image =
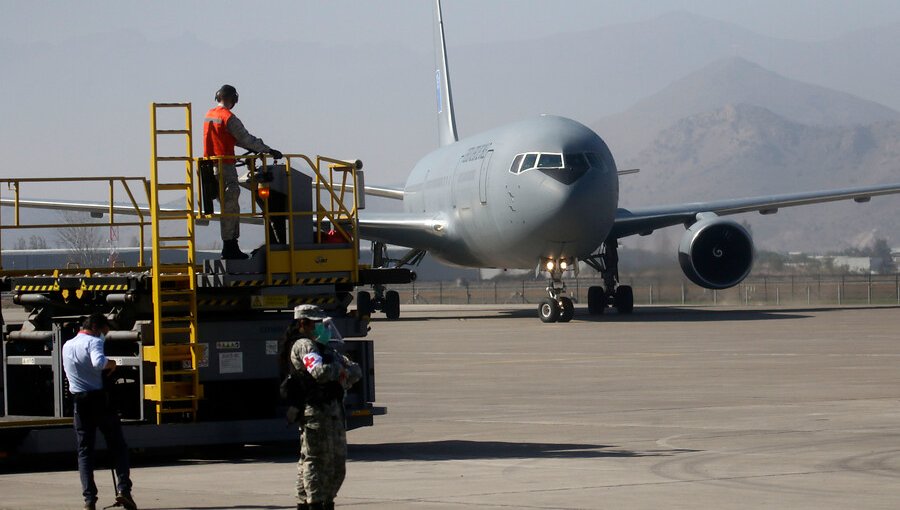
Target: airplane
[{"x": 543, "y": 194}]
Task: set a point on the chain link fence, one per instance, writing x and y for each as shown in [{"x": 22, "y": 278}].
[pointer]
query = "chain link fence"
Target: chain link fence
[{"x": 755, "y": 290}]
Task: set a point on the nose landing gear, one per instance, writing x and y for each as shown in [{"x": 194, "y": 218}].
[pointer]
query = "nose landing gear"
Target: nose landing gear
[{"x": 557, "y": 307}]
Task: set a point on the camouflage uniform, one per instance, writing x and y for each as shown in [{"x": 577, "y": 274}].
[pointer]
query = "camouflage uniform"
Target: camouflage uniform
[{"x": 323, "y": 447}]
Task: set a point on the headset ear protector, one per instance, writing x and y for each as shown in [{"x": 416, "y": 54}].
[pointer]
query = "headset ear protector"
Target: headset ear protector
[{"x": 226, "y": 91}]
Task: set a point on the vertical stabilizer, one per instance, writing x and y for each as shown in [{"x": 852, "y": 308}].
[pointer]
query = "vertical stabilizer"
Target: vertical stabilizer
[{"x": 446, "y": 117}]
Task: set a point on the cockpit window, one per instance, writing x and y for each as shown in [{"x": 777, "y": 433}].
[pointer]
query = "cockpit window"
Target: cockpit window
[
  {"x": 514, "y": 168},
  {"x": 528, "y": 162},
  {"x": 576, "y": 163},
  {"x": 550, "y": 161}
]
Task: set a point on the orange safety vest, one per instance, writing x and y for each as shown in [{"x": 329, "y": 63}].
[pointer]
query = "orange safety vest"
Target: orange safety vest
[{"x": 217, "y": 141}]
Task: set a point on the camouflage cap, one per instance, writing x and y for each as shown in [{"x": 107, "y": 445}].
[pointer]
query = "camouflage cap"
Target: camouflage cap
[{"x": 311, "y": 312}]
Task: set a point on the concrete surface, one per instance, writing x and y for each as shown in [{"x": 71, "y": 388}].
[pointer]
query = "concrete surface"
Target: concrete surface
[{"x": 675, "y": 408}]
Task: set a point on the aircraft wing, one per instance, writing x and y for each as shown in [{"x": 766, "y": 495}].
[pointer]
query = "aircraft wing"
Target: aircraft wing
[
  {"x": 384, "y": 192},
  {"x": 646, "y": 220},
  {"x": 403, "y": 229},
  {"x": 97, "y": 210}
]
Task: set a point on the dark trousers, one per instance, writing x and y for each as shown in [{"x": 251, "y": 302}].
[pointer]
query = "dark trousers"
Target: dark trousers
[{"x": 91, "y": 413}]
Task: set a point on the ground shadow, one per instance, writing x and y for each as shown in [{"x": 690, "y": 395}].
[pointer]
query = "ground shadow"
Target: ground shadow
[
  {"x": 713, "y": 314},
  {"x": 692, "y": 314},
  {"x": 234, "y": 507},
  {"x": 640, "y": 314},
  {"x": 468, "y": 450},
  {"x": 645, "y": 313}
]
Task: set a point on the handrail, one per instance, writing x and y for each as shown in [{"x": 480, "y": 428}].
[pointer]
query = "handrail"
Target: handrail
[
  {"x": 337, "y": 208},
  {"x": 17, "y": 184}
]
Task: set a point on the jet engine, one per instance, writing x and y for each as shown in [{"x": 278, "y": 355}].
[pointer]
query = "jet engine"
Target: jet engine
[{"x": 716, "y": 253}]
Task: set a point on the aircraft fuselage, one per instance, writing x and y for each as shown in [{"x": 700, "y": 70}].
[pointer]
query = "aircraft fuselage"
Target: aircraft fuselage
[{"x": 541, "y": 188}]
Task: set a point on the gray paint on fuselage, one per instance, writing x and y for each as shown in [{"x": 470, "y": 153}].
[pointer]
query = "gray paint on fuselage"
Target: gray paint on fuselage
[{"x": 524, "y": 216}]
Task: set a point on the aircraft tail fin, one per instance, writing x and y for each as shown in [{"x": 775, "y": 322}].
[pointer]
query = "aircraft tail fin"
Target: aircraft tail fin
[{"x": 446, "y": 117}]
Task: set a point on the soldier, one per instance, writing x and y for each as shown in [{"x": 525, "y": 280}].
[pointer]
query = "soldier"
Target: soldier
[{"x": 328, "y": 374}]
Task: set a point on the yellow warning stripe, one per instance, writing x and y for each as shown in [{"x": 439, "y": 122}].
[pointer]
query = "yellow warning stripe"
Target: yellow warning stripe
[
  {"x": 304, "y": 281},
  {"x": 312, "y": 300},
  {"x": 121, "y": 286},
  {"x": 217, "y": 302},
  {"x": 37, "y": 288}
]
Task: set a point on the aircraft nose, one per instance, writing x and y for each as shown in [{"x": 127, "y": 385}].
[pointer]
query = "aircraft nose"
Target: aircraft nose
[
  {"x": 566, "y": 175},
  {"x": 578, "y": 209}
]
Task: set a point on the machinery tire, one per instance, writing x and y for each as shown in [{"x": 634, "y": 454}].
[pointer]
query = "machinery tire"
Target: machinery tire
[
  {"x": 624, "y": 299},
  {"x": 363, "y": 304},
  {"x": 548, "y": 310},
  {"x": 596, "y": 300},
  {"x": 567, "y": 309},
  {"x": 392, "y": 305}
]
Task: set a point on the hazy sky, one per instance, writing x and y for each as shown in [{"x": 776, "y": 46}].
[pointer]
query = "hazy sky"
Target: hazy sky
[{"x": 226, "y": 22}]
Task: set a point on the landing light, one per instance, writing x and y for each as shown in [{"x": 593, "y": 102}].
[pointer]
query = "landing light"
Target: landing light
[
  {"x": 563, "y": 265},
  {"x": 549, "y": 265}
]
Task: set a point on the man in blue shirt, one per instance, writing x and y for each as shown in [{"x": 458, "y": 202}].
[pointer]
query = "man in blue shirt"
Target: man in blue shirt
[{"x": 85, "y": 363}]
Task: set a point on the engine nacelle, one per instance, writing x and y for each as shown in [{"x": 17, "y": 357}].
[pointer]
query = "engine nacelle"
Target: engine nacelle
[{"x": 716, "y": 253}]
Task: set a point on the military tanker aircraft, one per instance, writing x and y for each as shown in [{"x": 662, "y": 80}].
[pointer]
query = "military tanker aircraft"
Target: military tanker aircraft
[{"x": 544, "y": 193}]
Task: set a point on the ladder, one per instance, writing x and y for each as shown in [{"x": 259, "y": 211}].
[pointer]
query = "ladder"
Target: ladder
[{"x": 175, "y": 352}]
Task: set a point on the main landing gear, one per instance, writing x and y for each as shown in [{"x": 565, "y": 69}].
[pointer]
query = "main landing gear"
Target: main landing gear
[
  {"x": 386, "y": 270},
  {"x": 621, "y": 297},
  {"x": 387, "y": 301}
]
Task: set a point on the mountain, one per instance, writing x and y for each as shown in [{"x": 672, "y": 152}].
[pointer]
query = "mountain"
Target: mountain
[
  {"x": 735, "y": 80},
  {"x": 745, "y": 150}
]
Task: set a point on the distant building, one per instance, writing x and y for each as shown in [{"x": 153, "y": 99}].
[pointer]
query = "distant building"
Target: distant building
[{"x": 862, "y": 265}]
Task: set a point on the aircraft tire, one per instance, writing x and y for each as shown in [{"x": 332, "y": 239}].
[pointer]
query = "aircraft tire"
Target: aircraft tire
[
  {"x": 548, "y": 310},
  {"x": 392, "y": 305},
  {"x": 624, "y": 299},
  {"x": 596, "y": 300},
  {"x": 567, "y": 309},
  {"x": 363, "y": 304}
]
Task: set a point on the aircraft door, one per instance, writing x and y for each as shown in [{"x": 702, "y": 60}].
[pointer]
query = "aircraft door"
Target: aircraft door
[{"x": 483, "y": 177}]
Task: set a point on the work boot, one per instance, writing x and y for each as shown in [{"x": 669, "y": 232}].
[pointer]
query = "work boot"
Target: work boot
[
  {"x": 124, "y": 500},
  {"x": 302, "y": 506},
  {"x": 230, "y": 251},
  {"x": 90, "y": 505},
  {"x": 328, "y": 505}
]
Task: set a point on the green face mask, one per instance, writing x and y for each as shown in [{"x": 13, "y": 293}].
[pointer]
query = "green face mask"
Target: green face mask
[{"x": 322, "y": 333}]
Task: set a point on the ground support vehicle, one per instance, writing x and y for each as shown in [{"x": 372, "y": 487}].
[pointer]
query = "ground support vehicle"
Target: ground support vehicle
[{"x": 197, "y": 344}]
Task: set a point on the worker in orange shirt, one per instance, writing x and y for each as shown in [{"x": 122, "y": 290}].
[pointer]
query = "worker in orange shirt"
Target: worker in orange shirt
[{"x": 222, "y": 130}]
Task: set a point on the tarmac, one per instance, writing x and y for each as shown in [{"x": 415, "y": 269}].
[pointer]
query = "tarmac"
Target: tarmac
[{"x": 671, "y": 407}]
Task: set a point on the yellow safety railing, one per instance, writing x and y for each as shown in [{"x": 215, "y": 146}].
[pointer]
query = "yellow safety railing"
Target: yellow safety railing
[
  {"x": 336, "y": 202},
  {"x": 37, "y": 186}
]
